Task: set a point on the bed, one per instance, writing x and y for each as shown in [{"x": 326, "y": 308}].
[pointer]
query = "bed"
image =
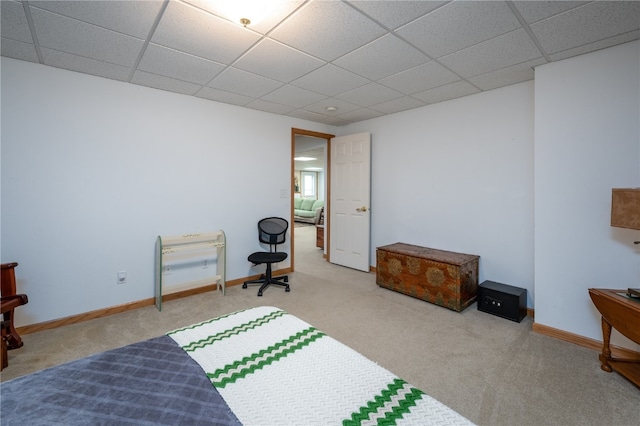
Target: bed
[{"x": 260, "y": 366}]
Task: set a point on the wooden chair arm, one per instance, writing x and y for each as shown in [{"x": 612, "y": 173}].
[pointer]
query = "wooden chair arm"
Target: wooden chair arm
[{"x": 8, "y": 303}]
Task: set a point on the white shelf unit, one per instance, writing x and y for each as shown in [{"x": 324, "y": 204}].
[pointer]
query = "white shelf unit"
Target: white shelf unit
[{"x": 174, "y": 250}]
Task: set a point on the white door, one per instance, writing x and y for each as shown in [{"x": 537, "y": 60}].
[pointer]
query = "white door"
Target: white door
[{"x": 350, "y": 201}]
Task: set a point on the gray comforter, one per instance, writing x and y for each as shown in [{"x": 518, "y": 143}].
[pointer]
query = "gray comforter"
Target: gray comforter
[{"x": 148, "y": 383}]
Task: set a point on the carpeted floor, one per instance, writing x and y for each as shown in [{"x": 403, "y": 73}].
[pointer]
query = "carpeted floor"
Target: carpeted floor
[
  {"x": 302, "y": 224},
  {"x": 491, "y": 370}
]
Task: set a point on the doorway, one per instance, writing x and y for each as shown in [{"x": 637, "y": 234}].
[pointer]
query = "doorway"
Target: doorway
[{"x": 316, "y": 173}]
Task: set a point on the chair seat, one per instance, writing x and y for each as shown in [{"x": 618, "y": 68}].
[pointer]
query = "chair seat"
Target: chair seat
[{"x": 266, "y": 257}]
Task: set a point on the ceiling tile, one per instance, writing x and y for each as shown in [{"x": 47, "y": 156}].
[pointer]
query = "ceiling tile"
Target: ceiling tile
[
  {"x": 307, "y": 115},
  {"x": 222, "y": 96},
  {"x": 327, "y": 29},
  {"x": 244, "y": 83},
  {"x": 382, "y": 58},
  {"x": 397, "y": 105},
  {"x": 393, "y": 14},
  {"x": 271, "y": 12},
  {"x": 367, "y": 58},
  {"x": 164, "y": 83},
  {"x": 171, "y": 63},
  {"x": 505, "y": 76},
  {"x": 340, "y": 105},
  {"x": 334, "y": 121},
  {"x": 81, "y": 64},
  {"x": 500, "y": 52},
  {"x": 134, "y": 18},
  {"x": 458, "y": 25},
  {"x": 79, "y": 38},
  {"x": 277, "y": 61},
  {"x": 444, "y": 93},
  {"x": 216, "y": 39},
  {"x": 267, "y": 106},
  {"x": 14, "y": 22},
  {"x": 275, "y": 13},
  {"x": 597, "y": 45},
  {"x": 330, "y": 80},
  {"x": 420, "y": 78},
  {"x": 359, "y": 115},
  {"x": 587, "y": 24},
  {"x": 293, "y": 96},
  {"x": 371, "y": 94},
  {"x": 19, "y": 50},
  {"x": 533, "y": 11}
]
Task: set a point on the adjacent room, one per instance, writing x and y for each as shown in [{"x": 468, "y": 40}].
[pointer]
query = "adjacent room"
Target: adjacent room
[{"x": 493, "y": 129}]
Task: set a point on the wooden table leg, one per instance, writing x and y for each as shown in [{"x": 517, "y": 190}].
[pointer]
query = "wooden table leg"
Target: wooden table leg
[{"x": 605, "y": 356}]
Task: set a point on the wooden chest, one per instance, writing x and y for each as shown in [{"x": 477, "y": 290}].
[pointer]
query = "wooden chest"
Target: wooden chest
[{"x": 441, "y": 277}]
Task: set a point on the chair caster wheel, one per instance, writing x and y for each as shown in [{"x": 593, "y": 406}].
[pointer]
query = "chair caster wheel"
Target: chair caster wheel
[
  {"x": 259, "y": 293},
  {"x": 244, "y": 286},
  {"x": 287, "y": 289}
]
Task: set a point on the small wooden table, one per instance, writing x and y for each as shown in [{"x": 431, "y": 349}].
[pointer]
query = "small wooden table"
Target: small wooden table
[{"x": 623, "y": 314}]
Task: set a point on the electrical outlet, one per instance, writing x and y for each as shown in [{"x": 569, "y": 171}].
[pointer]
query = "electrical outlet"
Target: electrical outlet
[
  {"x": 167, "y": 270},
  {"x": 122, "y": 277}
]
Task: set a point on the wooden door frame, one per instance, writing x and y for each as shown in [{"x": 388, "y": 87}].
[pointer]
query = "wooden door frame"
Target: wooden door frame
[{"x": 327, "y": 170}]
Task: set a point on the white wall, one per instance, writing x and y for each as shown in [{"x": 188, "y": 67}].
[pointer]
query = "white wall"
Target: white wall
[
  {"x": 89, "y": 181},
  {"x": 587, "y": 142},
  {"x": 458, "y": 176},
  {"x": 93, "y": 170}
]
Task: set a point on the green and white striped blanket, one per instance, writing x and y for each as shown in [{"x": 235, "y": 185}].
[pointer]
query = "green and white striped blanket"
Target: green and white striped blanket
[{"x": 275, "y": 369}]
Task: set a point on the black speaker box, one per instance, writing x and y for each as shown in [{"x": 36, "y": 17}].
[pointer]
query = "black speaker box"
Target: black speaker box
[{"x": 502, "y": 300}]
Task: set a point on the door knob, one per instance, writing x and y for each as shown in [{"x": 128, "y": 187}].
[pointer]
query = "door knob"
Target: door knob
[{"x": 361, "y": 209}]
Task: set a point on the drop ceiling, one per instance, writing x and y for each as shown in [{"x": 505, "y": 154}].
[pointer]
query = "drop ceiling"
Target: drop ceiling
[{"x": 365, "y": 58}]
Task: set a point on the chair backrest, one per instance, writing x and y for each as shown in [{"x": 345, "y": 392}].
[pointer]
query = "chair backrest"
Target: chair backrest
[{"x": 272, "y": 231}]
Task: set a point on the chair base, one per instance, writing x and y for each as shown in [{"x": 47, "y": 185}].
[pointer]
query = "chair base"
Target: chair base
[{"x": 266, "y": 281}]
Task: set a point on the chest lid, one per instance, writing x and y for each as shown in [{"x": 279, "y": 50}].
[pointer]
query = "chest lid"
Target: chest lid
[{"x": 443, "y": 256}]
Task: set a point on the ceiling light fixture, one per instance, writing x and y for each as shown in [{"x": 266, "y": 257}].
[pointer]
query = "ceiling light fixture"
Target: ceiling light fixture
[
  {"x": 304, "y": 158},
  {"x": 245, "y": 12},
  {"x": 332, "y": 108}
]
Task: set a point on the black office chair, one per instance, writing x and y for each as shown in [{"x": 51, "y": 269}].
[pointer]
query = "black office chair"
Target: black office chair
[{"x": 272, "y": 231}]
